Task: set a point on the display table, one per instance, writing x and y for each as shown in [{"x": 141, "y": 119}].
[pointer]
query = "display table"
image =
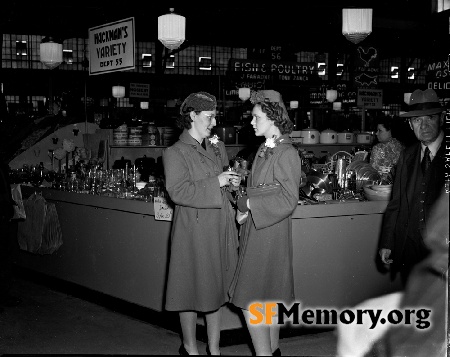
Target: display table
[{"x": 116, "y": 247}]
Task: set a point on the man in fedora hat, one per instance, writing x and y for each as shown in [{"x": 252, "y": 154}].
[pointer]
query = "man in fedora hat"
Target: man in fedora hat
[{"x": 418, "y": 182}]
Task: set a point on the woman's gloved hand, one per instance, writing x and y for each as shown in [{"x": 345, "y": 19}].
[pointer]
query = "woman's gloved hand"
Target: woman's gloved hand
[{"x": 227, "y": 177}]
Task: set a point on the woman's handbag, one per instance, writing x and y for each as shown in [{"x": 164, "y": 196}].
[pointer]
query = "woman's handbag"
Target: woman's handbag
[{"x": 264, "y": 189}]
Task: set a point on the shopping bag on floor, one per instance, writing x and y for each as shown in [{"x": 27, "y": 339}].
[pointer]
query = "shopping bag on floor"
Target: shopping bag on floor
[
  {"x": 51, "y": 234},
  {"x": 29, "y": 233},
  {"x": 19, "y": 209},
  {"x": 41, "y": 232}
]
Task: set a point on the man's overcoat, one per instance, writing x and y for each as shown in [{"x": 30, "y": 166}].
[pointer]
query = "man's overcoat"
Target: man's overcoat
[{"x": 397, "y": 222}]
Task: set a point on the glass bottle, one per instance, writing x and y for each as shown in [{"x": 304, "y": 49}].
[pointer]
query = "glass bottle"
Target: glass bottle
[{"x": 151, "y": 188}]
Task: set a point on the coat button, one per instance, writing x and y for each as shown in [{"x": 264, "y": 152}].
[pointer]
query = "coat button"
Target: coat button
[{"x": 201, "y": 160}]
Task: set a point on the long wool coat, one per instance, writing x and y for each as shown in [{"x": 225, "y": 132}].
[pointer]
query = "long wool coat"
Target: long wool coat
[
  {"x": 397, "y": 222},
  {"x": 264, "y": 270},
  {"x": 204, "y": 234}
]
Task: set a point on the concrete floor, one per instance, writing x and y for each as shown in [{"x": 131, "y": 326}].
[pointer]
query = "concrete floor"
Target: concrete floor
[{"x": 55, "y": 319}]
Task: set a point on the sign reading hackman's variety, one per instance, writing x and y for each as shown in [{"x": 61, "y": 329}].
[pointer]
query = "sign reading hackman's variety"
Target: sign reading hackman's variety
[
  {"x": 112, "y": 47},
  {"x": 370, "y": 98}
]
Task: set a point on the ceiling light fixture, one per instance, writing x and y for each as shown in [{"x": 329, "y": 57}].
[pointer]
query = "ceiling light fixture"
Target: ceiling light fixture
[
  {"x": 118, "y": 91},
  {"x": 406, "y": 97},
  {"x": 331, "y": 95},
  {"x": 356, "y": 24},
  {"x": 51, "y": 52},
  {"x": 244, "y": 93},
  {"x": 171, "y": 30}
]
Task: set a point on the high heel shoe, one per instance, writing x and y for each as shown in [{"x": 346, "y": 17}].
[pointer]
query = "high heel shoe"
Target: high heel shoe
[
  {"x": 182, "y": 351},
  {"x": 277, "y": 352}
]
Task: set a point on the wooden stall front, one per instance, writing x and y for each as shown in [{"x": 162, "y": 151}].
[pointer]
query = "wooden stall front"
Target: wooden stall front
[{"x": 116, "y": 247}]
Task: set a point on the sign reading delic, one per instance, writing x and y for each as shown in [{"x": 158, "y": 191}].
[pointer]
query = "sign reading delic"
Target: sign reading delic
[
  {"x": 370, "y": 98},
  {"x": 112, "y": 47}
]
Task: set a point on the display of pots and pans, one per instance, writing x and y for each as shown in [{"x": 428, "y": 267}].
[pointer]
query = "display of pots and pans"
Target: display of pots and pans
[
  {"x": 296, "y": 136},
  {"x": 345, "y": 137},
  {"x": 328, "y": 136},
  {"x": 364, "y": 138},
  {"x": 310, "y": 136}
]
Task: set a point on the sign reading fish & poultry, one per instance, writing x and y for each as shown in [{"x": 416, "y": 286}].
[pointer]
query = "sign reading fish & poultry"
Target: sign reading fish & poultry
[{"x": 266, "y": 70}]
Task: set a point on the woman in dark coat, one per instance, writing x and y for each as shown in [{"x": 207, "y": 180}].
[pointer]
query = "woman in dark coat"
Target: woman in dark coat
[
  {"x": 204, "y": 234},
  {"x": 264, "y": 270}
]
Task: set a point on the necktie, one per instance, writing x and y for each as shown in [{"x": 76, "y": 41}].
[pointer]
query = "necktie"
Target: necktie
[
  {"x": 204, "y": 144},
  {"x": 426, "y": 161}
]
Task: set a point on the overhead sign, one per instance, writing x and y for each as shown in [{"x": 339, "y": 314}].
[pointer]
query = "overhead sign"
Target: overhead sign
[
  {"x": 139, "y": 90},
  {"x": 366, "y": 67},
  {"x": 370, "y": 98},
  {"x": 112, "y": 47},
  {"x": 254, "y": 70},
  {"x": 438, "y": 76}
]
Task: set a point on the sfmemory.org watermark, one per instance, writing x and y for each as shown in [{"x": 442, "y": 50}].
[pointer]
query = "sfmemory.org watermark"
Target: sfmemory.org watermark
[{"x": 269, "y": 313}]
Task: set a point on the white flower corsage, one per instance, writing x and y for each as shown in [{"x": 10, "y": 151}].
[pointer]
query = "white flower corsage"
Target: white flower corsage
[
  {"x": 270, "y": 142},
  {"x": 268, "y": 147},
  {"x": 214, "y": 140}
]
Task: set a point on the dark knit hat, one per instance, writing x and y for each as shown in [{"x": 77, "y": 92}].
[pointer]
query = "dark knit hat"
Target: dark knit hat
[{"x": 200, "y": 101}]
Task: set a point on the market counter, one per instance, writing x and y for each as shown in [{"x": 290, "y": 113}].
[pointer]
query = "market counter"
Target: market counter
[{"x": 116, "y": 247}]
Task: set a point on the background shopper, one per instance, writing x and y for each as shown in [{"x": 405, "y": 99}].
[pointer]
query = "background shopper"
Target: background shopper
[
  {"x": 419, "y": 180},
  {"x": 386, "y": 152}
]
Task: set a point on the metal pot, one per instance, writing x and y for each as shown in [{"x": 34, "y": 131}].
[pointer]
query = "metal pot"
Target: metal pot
[
  {"x": 310, "y": 136},
  {"x": 296, "y": 136},
  {"x": 319, "y": 180},
  {"x": 226, "y": 133},
  {"x": 345, "y": 137},
  {"x": 364, "y": 138},
  {"x": 328, "y": 136}
]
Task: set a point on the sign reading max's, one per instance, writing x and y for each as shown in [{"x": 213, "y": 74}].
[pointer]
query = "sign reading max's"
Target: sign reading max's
[
  {"x": 262, "y": 70},
  {"x": 111, "y": 47},
  {"x": 438, "y": 76}
]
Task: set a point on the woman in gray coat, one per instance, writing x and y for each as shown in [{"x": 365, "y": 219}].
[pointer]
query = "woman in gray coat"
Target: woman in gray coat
[
  {"x": 264, "y": 271},
  {"x": 204, "y": 234}
]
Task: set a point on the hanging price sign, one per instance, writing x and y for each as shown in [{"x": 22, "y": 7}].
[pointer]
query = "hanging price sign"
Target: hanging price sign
[{"x": 163, "y": 211}]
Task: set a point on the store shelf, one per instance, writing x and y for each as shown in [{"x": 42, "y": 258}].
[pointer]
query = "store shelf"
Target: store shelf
[{"x": 137, "y": 146}]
